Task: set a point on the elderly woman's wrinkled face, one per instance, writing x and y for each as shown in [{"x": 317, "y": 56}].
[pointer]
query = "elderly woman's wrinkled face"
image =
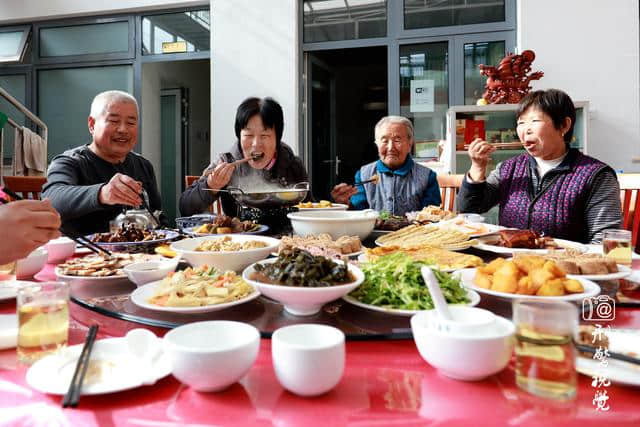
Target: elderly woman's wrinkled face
[
  {"x": 394, "y": 144},
  {"x": 540, "y": 137},
  {"x": 256, "y": 140}
]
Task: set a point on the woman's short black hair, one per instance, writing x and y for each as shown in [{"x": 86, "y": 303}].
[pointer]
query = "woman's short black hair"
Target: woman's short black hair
[
  {"x": 555, "y": 104},
  {"x": 269, "y": 110}
]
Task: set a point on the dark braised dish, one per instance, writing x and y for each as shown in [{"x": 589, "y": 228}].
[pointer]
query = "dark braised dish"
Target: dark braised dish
[
  {"x": 127, "y": 233},
  {"x": 388, "y": 222},
  {"x": 297, "y": 267},
  {"x": 226, "y": 224}
]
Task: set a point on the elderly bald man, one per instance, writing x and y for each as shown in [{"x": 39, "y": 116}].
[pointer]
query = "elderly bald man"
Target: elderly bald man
[
  {"x": 90, "y": 184},
  {"x": 402, "y": 185}
]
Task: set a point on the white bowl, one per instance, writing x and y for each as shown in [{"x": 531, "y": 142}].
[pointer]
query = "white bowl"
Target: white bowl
[
  {"x": 150, "y": 271},
  {"x": 32, "y": 264},
  {"x": 60, "y": 249},
  {"x": 335, "y": 223},
  {"x": 468, "y": 357},
  {"x": 211, "y": 355},
  {"x": 308, "y": 359},
  {"x": 225, "y": 260},
  {"x": 303, "y": 301}
]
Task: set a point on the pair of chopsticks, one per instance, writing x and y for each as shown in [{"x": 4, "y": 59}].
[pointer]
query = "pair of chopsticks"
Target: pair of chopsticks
[
  {"x": 373, "y": 179},
  {"x": 246, "y": 159},
  {"x": 76, "y": 238},
  {"x": 75, "y": 387},
  {"x": 612, "y": 355},
  {"x": 514, "y": 144}
]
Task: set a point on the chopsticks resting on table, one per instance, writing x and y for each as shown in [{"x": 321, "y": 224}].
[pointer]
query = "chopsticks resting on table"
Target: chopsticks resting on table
[
  {"x": 75, "y": 388},
  {"x": 612, "y": 355},
  {"x": 76, "y": 238}
]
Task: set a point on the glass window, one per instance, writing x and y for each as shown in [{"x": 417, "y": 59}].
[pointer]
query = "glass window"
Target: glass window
[
  {"x": 109, "y": 37},
  {"x": 331, "y": 20},
  {"x": 424, "y": 93},
  {"x": 13, "y": 44},
  {"x": 15, "y": 85},
  {"x": 176, "y": 32},
  {"x": 486, "y": 53},
  {"x": 66, "y": 116},
  {"x": 444, "y": 13}
]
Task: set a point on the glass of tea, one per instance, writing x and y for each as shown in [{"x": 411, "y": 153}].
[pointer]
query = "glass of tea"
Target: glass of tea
[
  {"x": 43, "y": 319},
  {"x": 616, "y": 244},
  {"x": 545, "y": 355}
]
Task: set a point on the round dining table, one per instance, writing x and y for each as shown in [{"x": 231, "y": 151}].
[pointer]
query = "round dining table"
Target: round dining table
[{"x": 386, "y": 383}]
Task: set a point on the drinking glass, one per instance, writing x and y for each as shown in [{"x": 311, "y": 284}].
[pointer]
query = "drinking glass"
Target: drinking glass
[
  {"x": 43, "y": 319},
  {"x": 616, "y": 244},
  {"x": 545, "y": 355}
]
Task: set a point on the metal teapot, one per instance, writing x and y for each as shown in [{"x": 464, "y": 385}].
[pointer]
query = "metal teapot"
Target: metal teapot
[{"x": 141, "y": 218}]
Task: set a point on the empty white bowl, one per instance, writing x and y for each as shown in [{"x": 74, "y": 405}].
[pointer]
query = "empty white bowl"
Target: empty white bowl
[
  {"x": 150, "y": 271},
  {"x": 211, "y": 355},
  {"x": 235, "y": 261},
  {"x": 308, "y": 359},
  {"x": 60, "y": 249},
  {"x": 303, "y": 301},
  {"x": 335, "y": 223},
  {"x": 32, "y": 264},
  {"x": 468, "y": 357}
]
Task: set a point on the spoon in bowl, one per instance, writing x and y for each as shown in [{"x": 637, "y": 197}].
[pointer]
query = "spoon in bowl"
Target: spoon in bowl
[{"x": 460, "y": 321}]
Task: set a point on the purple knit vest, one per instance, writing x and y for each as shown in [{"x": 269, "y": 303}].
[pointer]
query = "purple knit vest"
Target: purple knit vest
[{"x": 559, "y": 210}]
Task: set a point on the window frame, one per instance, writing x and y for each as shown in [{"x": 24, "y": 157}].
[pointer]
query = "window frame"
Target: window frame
[
  {"x": 22, "y": 47},
  {"x": 74, "y": 22}
]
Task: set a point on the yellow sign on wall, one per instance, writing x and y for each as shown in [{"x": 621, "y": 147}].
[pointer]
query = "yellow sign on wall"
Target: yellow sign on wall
[{"x": 174, "y": 47}]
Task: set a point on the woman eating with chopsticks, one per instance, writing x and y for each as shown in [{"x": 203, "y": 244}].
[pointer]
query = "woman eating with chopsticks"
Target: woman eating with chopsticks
[
  {"x": 552, "y": 188},
  {"x": 259, "y": 159}
]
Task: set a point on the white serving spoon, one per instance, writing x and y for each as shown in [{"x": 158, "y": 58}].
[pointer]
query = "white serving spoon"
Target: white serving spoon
[
  {"x": 461, "y": 320},
  {"x": 144, "y": 346}
]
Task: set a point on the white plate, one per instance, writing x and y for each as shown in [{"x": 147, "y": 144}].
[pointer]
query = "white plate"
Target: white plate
[
  {"x": 616, "y": 371},
  {"x": 120, "y": 370},
  {"x": 141, "y": 295},
  {"x": 333, "y": 207},
  {"x": 9, "y": 288},
  {"x": 190, "y": 230},
  {"x": 568, "y": 244},
  {"x": 90, "y": 279},
  {"x": 8, "y": 331},
  {"x": 473, "y": 296},
  {"x": 590, "y": 289},
  {"x": 623, "y": 271}
]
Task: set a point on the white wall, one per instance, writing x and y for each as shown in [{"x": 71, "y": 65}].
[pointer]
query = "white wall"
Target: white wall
[
  {"x": 254, "y": 52},
  {"x": 37, "y": 10},
  {"x": 590, "y": 48}
]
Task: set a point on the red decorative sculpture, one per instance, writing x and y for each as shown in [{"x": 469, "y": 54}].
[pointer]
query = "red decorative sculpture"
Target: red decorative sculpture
[{"x": 509, "y": 83}]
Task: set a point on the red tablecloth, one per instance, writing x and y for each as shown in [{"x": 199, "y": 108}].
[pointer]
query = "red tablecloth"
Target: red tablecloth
[{"x": 385, "y": 383}]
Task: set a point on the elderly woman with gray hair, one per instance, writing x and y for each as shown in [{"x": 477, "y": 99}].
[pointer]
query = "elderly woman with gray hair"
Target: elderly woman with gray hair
[{"x": 395, "y": 183}]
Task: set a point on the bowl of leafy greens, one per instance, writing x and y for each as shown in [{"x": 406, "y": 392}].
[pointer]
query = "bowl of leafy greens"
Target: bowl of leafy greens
[{"x": 393, "y": 284}]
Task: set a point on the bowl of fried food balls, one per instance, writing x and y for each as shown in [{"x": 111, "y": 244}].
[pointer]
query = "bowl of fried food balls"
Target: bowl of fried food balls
[{"x": 527, "y": 276}]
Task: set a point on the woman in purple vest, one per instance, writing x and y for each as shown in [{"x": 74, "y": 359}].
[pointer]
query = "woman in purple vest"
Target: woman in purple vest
[{"x": 552, "y": 188}]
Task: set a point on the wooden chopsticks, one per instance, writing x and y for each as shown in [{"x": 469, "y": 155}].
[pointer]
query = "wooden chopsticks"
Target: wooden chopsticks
[
  {"x": 373, "y": 179},
  {"x": 514, "y": 144},
  {"x": 73, "y": 394},
  {"x": 76, "y": 238}
]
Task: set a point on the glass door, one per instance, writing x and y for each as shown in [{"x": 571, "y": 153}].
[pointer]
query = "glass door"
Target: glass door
[{"x": 424, "y": 93}]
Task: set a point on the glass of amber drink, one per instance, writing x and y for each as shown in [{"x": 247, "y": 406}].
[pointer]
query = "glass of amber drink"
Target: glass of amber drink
[
  {"x": 43, "y": 319},
  {"x": 545, "y": 355},
  {"x": 616, "y": 244}
]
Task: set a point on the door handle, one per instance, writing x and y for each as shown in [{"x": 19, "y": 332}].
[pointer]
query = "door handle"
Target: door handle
[{"x": 336, "y": 161}]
